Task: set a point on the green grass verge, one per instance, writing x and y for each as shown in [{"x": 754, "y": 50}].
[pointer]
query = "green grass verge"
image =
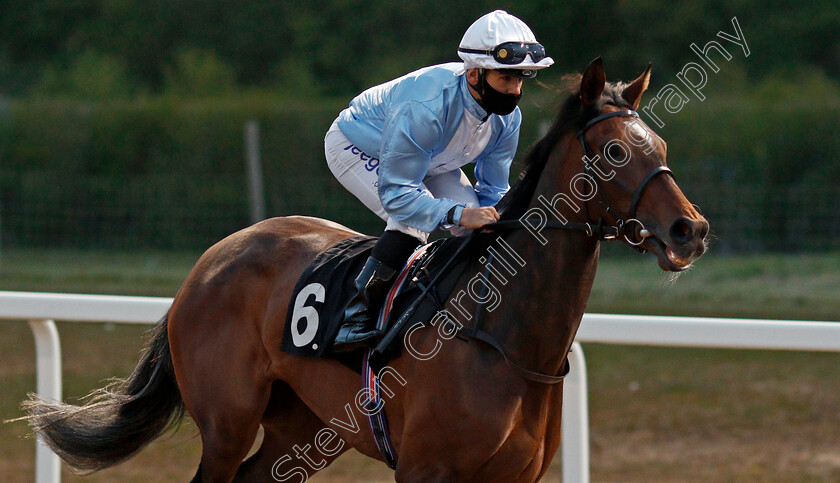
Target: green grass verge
[
  {"x": 801, "y": 286},
  {"x": 772, "y": 286},
  {"x": 116, "y": 273}
]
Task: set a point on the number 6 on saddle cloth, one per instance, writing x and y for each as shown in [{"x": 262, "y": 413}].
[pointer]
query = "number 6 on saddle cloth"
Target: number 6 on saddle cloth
[{"x": 316, "y": 308}]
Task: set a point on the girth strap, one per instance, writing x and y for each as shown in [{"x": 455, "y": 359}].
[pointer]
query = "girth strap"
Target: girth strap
[{"x": 375, "y": 408}]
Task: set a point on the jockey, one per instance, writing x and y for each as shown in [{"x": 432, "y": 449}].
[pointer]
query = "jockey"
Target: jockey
[{"x": 399, "y": 148}]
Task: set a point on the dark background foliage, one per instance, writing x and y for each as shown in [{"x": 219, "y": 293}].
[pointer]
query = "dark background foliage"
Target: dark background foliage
[{"x": 121, "y": 121}]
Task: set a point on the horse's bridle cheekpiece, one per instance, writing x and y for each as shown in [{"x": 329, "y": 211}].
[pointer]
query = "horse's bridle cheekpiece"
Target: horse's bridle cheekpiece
[{"x": 621, "y": 223}]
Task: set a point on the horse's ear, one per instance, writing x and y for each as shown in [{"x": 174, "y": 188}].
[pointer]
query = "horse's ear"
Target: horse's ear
[
  {"x": 593, "y": 81},
  {"x": 633, "y": 92}
]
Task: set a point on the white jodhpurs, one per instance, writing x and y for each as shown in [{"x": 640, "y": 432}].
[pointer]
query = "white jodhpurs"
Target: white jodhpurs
[{"x": 359, "y": 173}]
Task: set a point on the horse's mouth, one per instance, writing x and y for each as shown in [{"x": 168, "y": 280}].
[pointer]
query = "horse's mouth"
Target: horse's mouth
[{"x": 668, "y": 259}]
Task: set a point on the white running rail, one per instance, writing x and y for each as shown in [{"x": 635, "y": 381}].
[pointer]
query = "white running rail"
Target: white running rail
[{"x": 41, "y": 309}]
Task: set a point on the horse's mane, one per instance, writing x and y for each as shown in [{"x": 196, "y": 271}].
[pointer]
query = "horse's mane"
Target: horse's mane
[{"x": 572, "y": 116}]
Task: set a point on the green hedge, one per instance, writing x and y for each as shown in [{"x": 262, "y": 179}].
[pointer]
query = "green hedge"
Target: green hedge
[
  {"x": 161, "y": 173},
  {"x": 156, "y": 174},
  {"x": 766, "y": 174}
]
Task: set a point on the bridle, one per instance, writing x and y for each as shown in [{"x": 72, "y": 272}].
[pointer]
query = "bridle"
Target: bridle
[{"x": 623, "y": 226}]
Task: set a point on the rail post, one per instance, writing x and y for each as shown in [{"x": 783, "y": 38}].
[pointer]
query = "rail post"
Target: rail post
[
  {"x": 48, "y": 363},
  {"x": 575, "y": 426}
]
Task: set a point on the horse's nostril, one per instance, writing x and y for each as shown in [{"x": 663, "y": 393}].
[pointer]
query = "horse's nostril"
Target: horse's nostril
[{"x": 681, "y": 230}]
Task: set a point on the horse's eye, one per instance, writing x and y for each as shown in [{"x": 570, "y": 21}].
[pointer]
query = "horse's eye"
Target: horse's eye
[{"x": 615, "y": 152}]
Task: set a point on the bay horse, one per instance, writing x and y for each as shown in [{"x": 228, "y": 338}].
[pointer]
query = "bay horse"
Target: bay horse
[{"x": 464, "y": 414}]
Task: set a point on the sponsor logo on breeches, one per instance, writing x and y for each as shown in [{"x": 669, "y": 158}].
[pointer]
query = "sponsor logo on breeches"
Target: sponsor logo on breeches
[{"x": 371, "y": 163}]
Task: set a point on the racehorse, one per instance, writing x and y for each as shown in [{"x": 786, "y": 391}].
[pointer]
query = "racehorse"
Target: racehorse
[{"x": 466, "y": 414}]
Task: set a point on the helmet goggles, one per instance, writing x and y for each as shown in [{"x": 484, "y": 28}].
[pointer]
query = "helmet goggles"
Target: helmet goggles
[{"x": 511, "y": 53}]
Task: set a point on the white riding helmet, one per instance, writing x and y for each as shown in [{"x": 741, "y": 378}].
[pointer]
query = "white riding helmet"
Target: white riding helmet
[{"x": 501, "y": 41}]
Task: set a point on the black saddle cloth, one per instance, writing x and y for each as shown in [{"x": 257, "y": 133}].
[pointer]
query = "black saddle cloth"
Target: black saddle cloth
[{"x": 316, "y": 308}]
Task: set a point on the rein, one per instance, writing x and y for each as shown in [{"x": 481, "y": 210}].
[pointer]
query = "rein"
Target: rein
[
  {"x": 599, "y": 231},
  {"x": 487, "y": 338}
]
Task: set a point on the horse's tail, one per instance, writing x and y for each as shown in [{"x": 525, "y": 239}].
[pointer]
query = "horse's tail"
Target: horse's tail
[{"x": 118, "y": 420}]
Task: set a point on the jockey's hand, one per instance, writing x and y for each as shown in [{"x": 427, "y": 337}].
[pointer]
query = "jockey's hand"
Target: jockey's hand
[{"x": 474, "y": 218}]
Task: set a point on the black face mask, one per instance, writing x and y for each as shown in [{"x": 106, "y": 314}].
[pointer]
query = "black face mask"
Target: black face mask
[{"x": 494, "y": 101}]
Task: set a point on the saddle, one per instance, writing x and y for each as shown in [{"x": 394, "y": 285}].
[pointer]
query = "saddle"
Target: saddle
[{"x": 316, "y": 308}]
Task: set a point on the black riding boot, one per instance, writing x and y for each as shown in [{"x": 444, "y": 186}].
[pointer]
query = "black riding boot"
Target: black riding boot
[
  {"x": 372, "y": 285},
  {"x": 359, "y": 328}
]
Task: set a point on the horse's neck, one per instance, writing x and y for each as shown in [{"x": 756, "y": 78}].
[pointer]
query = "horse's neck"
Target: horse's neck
[{"x": 543, "y": 305}]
